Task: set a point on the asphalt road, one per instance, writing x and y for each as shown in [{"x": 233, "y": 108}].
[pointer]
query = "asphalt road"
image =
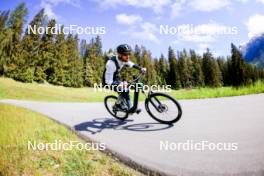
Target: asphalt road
[{"x": 233, "y": 124}]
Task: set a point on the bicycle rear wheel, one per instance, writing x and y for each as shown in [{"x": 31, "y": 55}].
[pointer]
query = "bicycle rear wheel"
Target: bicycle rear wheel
[
  {"x": 109, "y": 103},
  {"x": 163, "y": 108}
]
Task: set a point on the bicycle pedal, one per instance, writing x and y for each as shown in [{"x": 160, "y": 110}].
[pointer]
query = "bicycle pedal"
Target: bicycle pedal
[{"x": 138, "y": 111}]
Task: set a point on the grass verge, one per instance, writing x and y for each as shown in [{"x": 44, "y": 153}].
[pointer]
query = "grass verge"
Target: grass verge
[
  {"x": 256, "y": 88},
  {"x": 10, "y": 89},
  {"x": 18, "y": 126}
]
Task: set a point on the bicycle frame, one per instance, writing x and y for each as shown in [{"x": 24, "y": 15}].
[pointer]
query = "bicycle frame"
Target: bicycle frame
[
  {"x": 136, "y": 98},
  {"x": 133, "y": 109},
  {"x": 135, "y": 101}
]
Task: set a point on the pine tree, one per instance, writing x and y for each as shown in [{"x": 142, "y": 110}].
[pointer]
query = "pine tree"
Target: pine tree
[
  {"x": 59, "y": 63},
  {"x": 98, "y": 46},
  {"x": 3, "y": 19},
  {"x": 157, "y": 68},
  {"x": 227, "y": 75},
  {"x": 212, "y": 73},
  {"x": 96, "y": 59},
  {"x": 173, "y": 75},
  {"x": 74, "y": 74},
  {"x": 184, "y": 70},
  {"x": 163, "y": 69},
  {"x": 197, "y": 73},
  {"x": 31, "y": 42},
  {"x": 13, "y": 48},
  {"x": 137, "y": 54},
  {"x": 237, "y": 70},
  {"x": 83, "y": 48},
  {"x": 88, "y": 75},
  {"x": 87, "y": 69},
  {"x": 32, "y": 39},
  {"x": 45, "y": 65},
  {"x": 150, "y": 77},
  {"x": 219, "y": 78},
  {"x": 252, "y": 73},
  {"x": 5, "y": 40}
]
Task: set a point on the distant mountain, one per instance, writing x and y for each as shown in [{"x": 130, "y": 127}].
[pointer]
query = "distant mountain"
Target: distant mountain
[{"x": 253, "y": 51}]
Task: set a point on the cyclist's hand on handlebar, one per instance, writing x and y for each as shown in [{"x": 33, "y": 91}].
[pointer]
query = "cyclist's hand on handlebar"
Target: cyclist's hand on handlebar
[{"x": 143, "y": 70}]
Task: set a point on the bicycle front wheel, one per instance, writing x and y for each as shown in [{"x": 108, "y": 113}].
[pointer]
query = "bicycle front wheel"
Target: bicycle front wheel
[
  {"x": 163, "y": 108},
  {"x": 109, "y": 103}
]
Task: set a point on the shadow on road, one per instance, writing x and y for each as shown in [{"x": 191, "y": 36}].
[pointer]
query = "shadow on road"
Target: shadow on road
[{"x": 100, "y": 124}]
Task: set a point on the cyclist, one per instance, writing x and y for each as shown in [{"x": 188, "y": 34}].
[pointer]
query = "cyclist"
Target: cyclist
[{"x": 112, "y": 69}]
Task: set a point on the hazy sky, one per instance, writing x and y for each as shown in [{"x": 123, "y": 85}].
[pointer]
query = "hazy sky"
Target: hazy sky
[{"x": 140, "y": 21}]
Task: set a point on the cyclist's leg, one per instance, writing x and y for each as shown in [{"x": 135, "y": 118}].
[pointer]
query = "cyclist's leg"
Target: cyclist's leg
[
  {"x": 122, "y": 93},
  {"x": 125, "y": 95},
  {"x": 119, "y": 102}
]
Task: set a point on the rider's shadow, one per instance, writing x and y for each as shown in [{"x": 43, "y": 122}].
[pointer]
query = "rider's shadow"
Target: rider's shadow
[
  {"x": 100, "y": 124},
  {"x": 97, "y": 125}
]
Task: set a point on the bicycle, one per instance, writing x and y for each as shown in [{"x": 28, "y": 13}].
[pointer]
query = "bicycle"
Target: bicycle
[{"x": 156, "y": 104}]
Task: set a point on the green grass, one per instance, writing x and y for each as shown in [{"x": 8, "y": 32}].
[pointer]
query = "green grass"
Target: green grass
[
  {"x": 257, "y": 88},
  {"x": 18, "y": 126},
  {"x": 10, "y": 89}
]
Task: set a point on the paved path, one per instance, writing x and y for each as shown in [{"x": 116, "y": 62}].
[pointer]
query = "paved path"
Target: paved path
[{"x": 237, "y": 120}]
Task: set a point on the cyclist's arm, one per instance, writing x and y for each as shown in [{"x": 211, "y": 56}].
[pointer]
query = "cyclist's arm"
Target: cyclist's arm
[
  {"x": 133, "y": 65},
  {"x": 136, "y": 66}
]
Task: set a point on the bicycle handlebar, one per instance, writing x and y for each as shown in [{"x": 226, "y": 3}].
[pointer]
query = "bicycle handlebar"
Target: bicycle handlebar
[{"x": 137, "y": 77}]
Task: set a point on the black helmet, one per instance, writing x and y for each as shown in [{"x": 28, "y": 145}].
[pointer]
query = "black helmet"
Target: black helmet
[{"x": 123, "y": 49}]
